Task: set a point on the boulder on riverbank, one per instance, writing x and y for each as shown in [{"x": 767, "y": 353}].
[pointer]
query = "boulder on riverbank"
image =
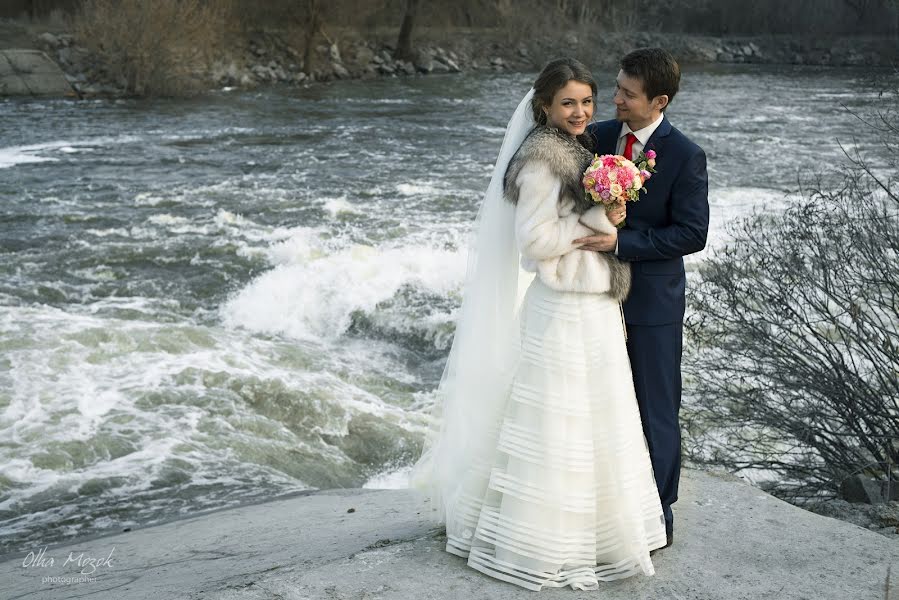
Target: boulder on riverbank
[
  {"x": 731, "y": 541},
  {"x": 25, "y": 72}
]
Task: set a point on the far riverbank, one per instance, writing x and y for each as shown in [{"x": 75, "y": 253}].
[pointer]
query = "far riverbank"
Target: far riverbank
[{"x": 267, "y": 57}]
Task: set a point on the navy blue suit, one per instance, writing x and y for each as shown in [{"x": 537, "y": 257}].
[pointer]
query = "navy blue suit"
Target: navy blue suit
[{"x": 668, "y": 222}]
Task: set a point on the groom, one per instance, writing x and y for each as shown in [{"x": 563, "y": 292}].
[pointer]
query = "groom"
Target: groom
[{"x": 669, "y": 221}]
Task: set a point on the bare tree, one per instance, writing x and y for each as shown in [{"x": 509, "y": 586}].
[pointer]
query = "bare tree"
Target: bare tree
[
  {"x": 313, "y": 24},
  {"x": 579, "y": 11},
  {"x": 404, "y": 41},
  {"x": 861, "y": 7}
]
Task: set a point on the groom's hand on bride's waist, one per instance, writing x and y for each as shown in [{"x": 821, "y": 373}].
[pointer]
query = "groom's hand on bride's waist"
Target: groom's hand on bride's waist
[{"x": 601, "y": 242}]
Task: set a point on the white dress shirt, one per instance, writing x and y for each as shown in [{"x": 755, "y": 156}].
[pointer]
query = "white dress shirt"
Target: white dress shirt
[{"x": 643, "y": 136}]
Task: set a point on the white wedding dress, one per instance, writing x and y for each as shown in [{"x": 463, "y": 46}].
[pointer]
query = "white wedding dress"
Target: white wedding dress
[
  {"x": 538, "y": 465},
  {"x": 563, "y": 493}
]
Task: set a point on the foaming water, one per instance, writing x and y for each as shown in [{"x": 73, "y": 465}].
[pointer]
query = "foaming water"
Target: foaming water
[
  {"x": 210, "y": 301},
  {"x": 314, "y": 293},
  {"x": 207, "y": 416},
  {"x": 53, "y": 151}
]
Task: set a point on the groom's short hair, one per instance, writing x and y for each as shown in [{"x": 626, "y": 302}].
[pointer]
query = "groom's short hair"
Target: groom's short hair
[{"x": 656, "y": 68}]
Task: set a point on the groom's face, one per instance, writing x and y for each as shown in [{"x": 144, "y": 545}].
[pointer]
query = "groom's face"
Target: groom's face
[{"x": 632, "y": 106}]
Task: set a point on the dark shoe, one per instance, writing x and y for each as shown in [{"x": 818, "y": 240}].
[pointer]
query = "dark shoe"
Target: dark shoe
[{"x": 670, "y": 540}]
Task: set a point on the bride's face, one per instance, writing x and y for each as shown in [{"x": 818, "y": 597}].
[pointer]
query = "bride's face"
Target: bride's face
[{"x": 572, "y": 108}]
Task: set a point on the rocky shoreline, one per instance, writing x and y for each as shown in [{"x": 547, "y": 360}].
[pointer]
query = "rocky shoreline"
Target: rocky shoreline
[
  {"x": 881, "y": 518},
  {"x": 265, "y": 58},
  {"x": 733, "y": 541}
]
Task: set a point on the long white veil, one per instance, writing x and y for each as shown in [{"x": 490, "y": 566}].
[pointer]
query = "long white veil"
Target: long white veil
[{"x": 475, "y": 383}]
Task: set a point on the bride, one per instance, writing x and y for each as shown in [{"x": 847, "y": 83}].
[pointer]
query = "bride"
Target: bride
[{"x": 537, "y": 464}]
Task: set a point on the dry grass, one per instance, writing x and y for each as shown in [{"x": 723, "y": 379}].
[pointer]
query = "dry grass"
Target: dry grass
[{"x": 153, "y": 47}]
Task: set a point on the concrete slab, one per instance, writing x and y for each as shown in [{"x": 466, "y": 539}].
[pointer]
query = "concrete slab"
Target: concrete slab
[{"x": 732, "y": 541}]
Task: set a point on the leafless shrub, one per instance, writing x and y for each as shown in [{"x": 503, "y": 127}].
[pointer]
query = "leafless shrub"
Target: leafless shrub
[
  {"x": 154, "y": 47},
  {"x": 795, "y": 328}
]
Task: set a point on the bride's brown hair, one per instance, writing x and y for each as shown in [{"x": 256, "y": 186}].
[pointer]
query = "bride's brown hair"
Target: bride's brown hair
[{"x": 554, "y": 76}]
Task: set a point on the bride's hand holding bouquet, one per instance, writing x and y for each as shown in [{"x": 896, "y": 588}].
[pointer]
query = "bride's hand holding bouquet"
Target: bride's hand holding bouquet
[{"x": 612, "y": 180}]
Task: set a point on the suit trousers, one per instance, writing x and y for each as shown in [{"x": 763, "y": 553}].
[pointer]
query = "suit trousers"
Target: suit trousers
[{"x": 655, "y": 355}]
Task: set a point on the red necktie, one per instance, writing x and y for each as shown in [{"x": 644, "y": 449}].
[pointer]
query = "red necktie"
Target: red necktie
[{"x": 629, "y": 146}]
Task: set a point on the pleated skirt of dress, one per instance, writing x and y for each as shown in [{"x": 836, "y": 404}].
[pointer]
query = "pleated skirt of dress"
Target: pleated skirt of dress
[{"x": 566, "y": 496}]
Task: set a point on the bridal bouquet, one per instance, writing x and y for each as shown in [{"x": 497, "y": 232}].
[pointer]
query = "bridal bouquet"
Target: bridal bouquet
[{"x": 612, "y": 179}]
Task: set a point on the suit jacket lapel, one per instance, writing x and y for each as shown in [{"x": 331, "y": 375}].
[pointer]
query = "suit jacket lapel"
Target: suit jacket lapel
[
  {"x": 608, "y": 138},
  {"x": 657, "y": 139}
]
